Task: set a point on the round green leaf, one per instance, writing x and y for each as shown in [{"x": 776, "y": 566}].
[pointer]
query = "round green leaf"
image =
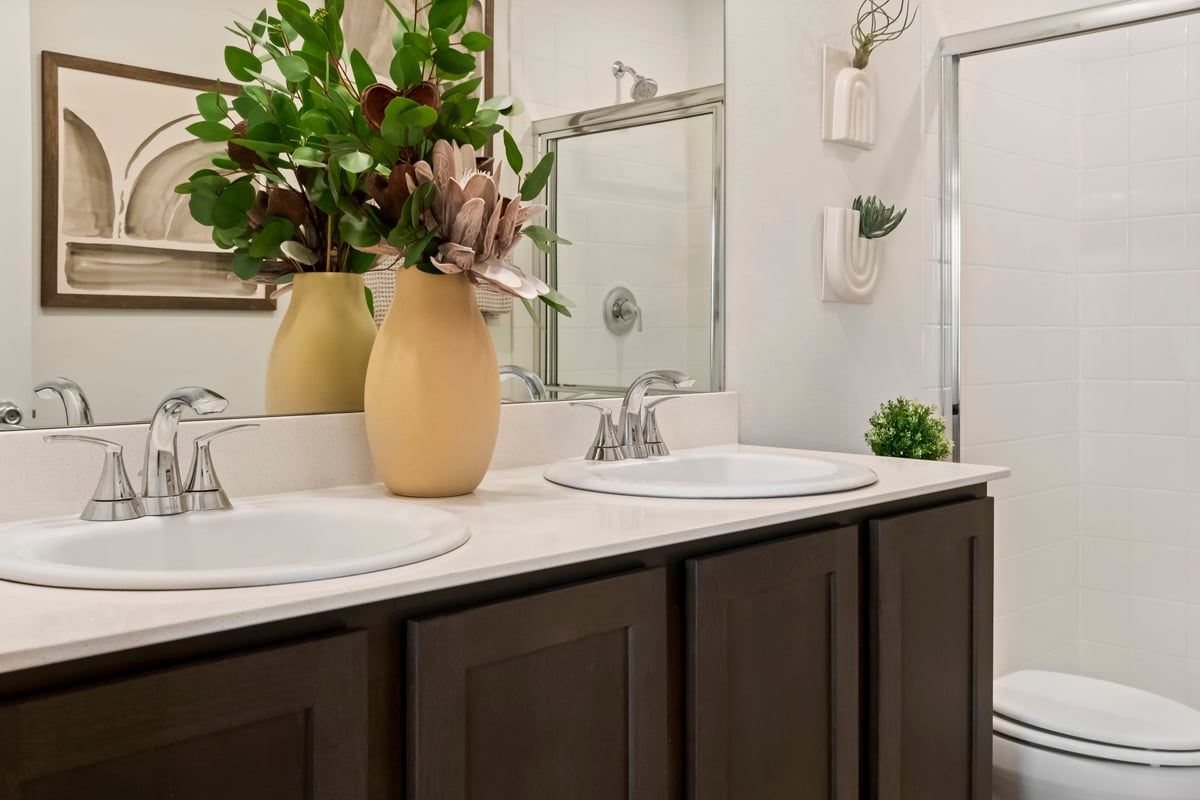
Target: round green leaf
[
  {"x": 207, "y": 131},
  {"x": 316, "y": 122},
  {"x": 406, "y": 69},
  {"x": 246, "y": 266},
  {"x": 233, "y": 204},
  {"x": 213, "y": 106},
  {"x": 201, "y": 207},
  {"x": 477, "y": 41},
  {"x": 242, "y": 64},
  {"x": 453, "y": 62},
  {"x": 274, "y": 232},
  {"x": 294, "y": 68},
  {"x": 355, "y": 162}
]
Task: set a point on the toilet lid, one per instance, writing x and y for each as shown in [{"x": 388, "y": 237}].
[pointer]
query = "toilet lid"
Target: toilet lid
[{"x": 1097, "y": 711}]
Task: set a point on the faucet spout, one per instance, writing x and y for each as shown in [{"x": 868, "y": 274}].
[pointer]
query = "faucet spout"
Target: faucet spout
[
  {"x": 632, "y": 440},
  {"x": 75, "y": 402},
  {"x": 533, "y": 383},
  {"x": 162, "y": 485}
]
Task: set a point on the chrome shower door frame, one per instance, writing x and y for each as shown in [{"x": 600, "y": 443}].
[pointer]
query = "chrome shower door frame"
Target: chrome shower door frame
[{"x": 951, "y": 51}]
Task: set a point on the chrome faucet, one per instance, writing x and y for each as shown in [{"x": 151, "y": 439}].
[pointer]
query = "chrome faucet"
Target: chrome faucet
[
  {"x": 162, "y": 485},
  {"x": 163, "y": 489},
  {"x": 533, "y": 384},
  {"x": 75, "y": 402},
  {"x": 632, "y": 422}
]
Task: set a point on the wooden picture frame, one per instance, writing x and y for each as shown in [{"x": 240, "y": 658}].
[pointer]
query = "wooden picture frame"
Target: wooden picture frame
[{"x": 115, "y": 238}]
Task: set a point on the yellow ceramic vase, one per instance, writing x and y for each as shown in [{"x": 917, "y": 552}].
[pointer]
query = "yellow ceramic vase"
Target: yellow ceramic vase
[
  {"x": 319, "y": 360},
  {"x": 433, "y": 391}
]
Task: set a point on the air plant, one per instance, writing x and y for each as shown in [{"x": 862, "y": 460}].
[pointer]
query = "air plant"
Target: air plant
[
  {"x": 876, "y": 24},
  {"x": 875, "y": 219}
]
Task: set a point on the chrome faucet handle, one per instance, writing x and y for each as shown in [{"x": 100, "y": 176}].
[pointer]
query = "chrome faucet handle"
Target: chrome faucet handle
[
  {"x": 114, "y": 498},
  {"x": 204, "y": 491},
  {"x": 606, "y": 446},
  {"x": 651, "y": 435}
]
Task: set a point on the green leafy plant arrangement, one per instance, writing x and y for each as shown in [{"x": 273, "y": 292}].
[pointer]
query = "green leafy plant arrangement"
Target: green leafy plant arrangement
[
  {"x": 325, "y": 168},
  {"x": 875, "y": 220},
  {"x": 905, "y": 428},
  {"x": 875, "y": 25}
]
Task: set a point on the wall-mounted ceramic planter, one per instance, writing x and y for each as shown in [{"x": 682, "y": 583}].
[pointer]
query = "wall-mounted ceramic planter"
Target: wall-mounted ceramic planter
[
  {"x": 851, "y": 261},
  {"x": 849, "y": 113}
]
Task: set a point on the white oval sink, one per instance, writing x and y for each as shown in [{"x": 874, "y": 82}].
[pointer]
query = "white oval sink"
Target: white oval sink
[
  {"x": 715, "y": 476},
  {"x": 262, "y": 542}
]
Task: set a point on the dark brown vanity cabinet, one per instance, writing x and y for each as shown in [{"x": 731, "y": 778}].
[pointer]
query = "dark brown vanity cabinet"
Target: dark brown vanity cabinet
[
  {"x": 854, "y": 659},
  {"x": 562, "y": 694},
  {"x": 288, "y": 723},
  {"x": 930, "y": 653},
  {"x": 773, "y": 670},
  {"x": 843, "y": 658}
]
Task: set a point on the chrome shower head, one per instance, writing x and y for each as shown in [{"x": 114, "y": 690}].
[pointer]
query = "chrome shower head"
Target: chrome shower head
[{"x": 643, "y": 88}]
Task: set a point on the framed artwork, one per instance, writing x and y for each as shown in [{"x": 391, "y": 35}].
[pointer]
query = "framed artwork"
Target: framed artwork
[{"x": 114, "y": 233}]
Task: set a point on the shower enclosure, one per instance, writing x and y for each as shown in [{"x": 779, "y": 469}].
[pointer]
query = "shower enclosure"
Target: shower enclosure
[{"x": 1071, "y": 330}]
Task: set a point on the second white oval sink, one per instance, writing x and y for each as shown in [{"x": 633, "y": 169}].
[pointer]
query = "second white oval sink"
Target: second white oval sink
[
  {"x": 717, "y": 476},
  {"x": 261, "y": 542}
]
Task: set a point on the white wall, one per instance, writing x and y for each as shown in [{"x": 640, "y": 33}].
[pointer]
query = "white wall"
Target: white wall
[
  {"x": 1140, "y": 312},
  {"x": 810, "y": 373},
  {"x": 126, "y": 360}
]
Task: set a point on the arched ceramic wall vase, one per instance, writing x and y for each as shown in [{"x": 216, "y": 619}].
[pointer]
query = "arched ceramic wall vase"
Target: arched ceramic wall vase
[
  {"x": 849, "y": 113},
  {"x": 851, "y": 261}
]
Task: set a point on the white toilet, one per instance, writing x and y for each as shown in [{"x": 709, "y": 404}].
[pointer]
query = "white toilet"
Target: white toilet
[{"x": 1066, "y": 737}]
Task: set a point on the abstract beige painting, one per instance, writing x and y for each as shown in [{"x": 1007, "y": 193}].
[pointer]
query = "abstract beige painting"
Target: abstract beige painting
[{"x": 114, "y": 232}]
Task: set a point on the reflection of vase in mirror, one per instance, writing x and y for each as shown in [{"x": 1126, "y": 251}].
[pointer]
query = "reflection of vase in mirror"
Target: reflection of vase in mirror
[
  {"x": 433, "y": 389},
  {"x": 319, "y": 360}
]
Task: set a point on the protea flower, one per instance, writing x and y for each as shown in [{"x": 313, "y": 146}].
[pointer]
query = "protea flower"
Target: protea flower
[{"x": 480, "y": 228}]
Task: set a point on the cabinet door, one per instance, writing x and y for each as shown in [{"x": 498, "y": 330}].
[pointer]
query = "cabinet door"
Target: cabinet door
[
  {"x": 557, "y": 695},
  {"x": 773, "y": 662},
  {"x": 931, "y": 653},
  {"x": 286, "y": 723}
]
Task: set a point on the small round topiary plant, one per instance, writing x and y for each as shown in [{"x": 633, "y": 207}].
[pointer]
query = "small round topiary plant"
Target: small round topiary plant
[{"x": 908, "y": 429}]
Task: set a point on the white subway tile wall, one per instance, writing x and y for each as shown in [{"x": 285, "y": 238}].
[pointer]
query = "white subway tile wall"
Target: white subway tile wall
[
  {"x": 1021, "y": 344},
  {"x": 1140, "y": 610},
  {"x": 1081, "y": 349}
]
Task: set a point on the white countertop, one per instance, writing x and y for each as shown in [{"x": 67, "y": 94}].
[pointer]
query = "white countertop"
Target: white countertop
[{"x": 519, "y": 523}]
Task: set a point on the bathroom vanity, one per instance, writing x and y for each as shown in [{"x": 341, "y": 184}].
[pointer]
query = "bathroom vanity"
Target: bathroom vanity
[{"x": 579, "y": 646}]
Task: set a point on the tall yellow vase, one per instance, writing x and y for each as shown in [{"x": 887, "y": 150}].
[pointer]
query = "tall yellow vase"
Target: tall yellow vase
[
  {"x": 318, "y": 362},
  {"x": 433, "y": 391}
]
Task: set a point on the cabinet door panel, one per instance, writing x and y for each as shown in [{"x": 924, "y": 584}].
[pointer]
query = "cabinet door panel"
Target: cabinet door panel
[
  {"x": 931, "y": 653},
  {"x": 283, "y": 723},
  {"x": 557, "y": 695},
  {"x": 773, "y": 670}
]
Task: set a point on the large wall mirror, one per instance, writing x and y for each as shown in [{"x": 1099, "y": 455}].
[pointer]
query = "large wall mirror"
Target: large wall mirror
[{"x": 629, "y": 92}]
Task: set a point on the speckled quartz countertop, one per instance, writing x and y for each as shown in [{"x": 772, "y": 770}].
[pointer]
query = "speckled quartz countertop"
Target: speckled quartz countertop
[{"x": 519, "y": 523}]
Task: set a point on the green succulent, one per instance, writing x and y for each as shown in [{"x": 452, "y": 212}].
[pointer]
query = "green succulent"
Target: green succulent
[
  {"x": 875, "y": 219},
  {"x": 905, "y": 428}
]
